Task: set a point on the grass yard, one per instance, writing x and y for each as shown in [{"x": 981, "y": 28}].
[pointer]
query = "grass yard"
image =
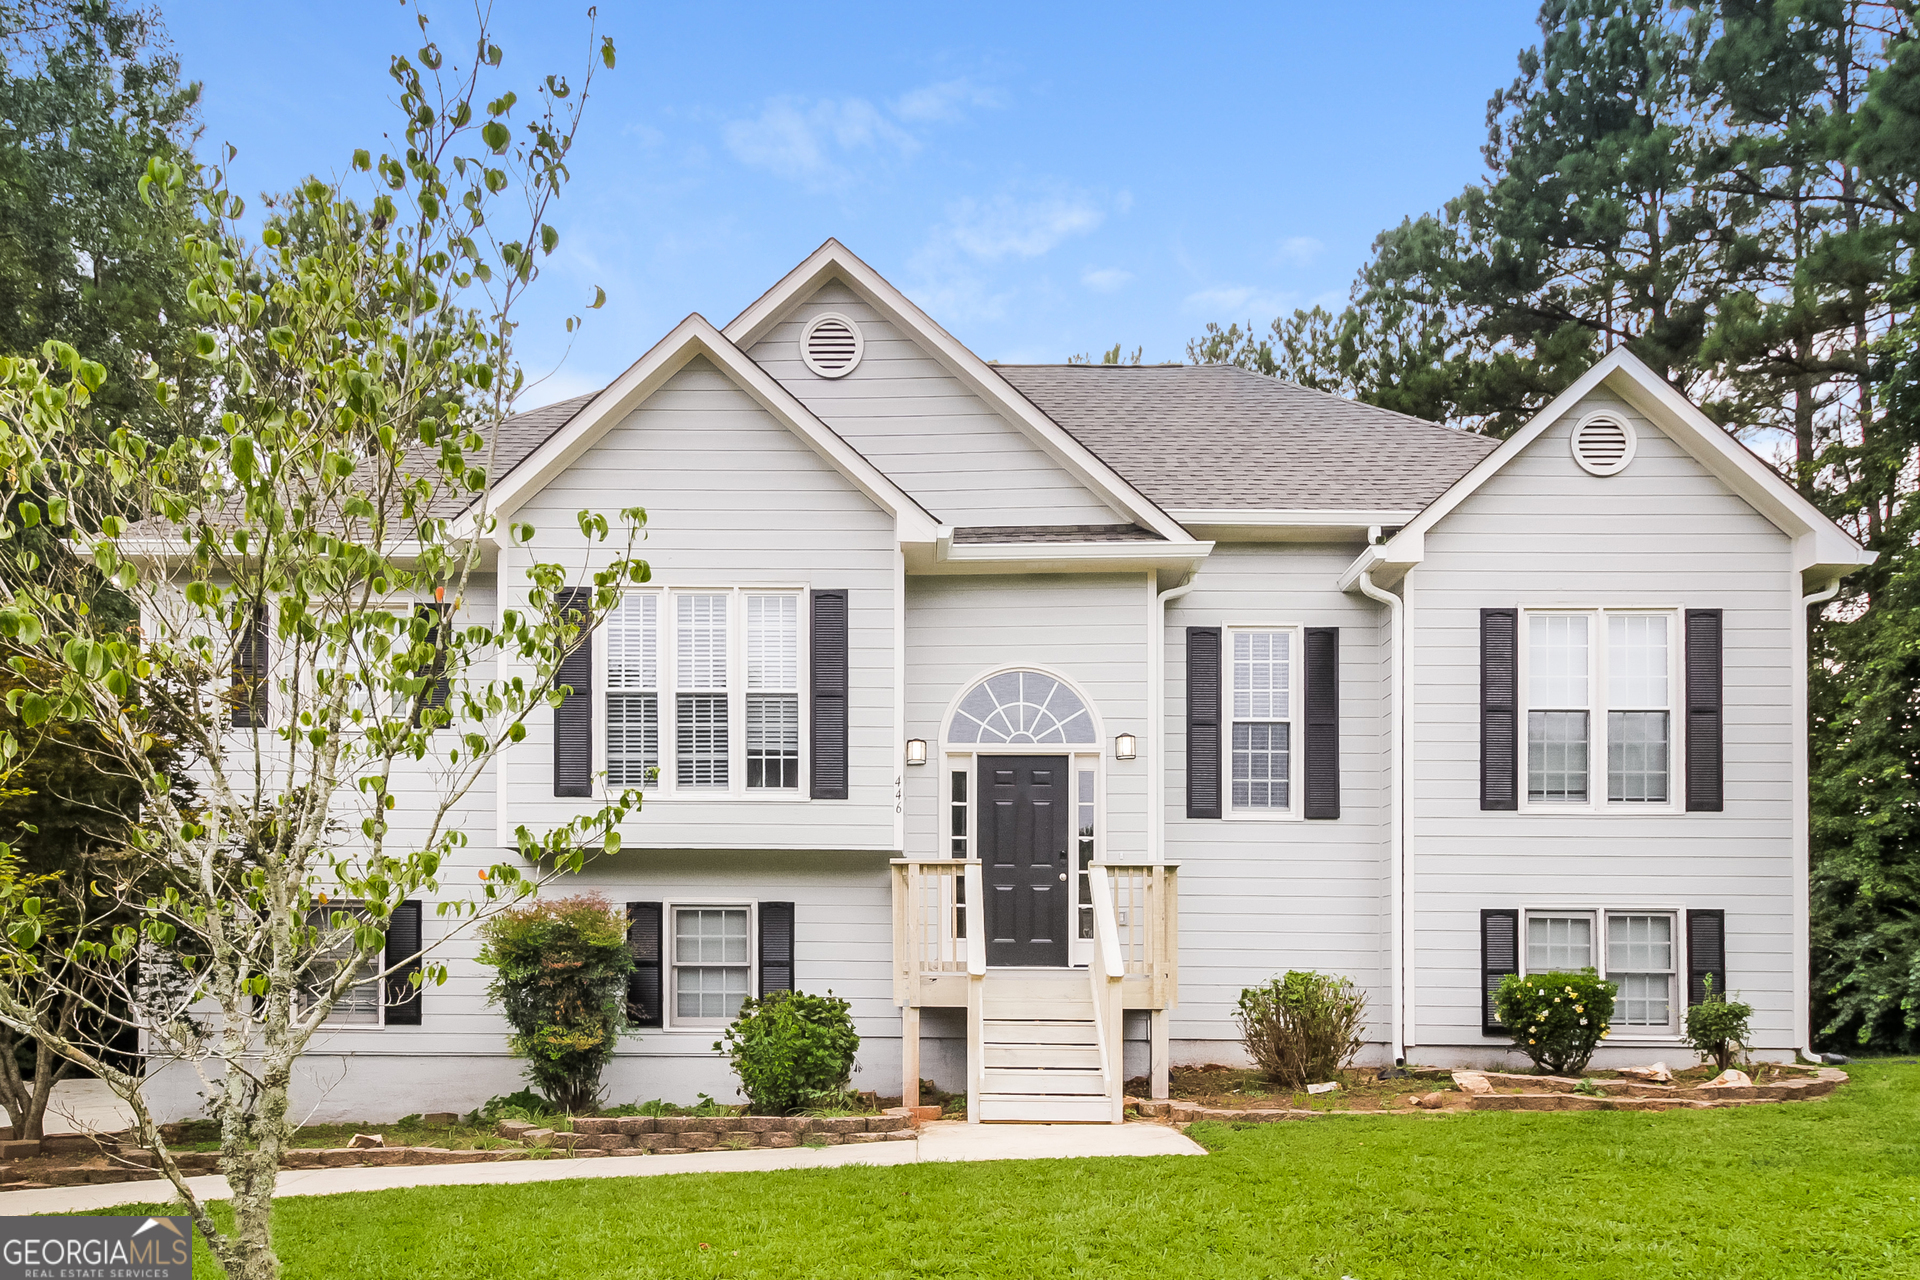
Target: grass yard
[{"x": 1827, "y": 1189}]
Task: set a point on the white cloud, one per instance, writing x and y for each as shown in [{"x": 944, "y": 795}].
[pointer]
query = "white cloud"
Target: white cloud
[
  {"x": 1105, "y": 279},
  {"x": 1230, "y": 302},
  {"x": 1011, "y": 226},
  {"x": 945, "y": 101},
  {"x": 1299, "y": 250},
  {"x": 809, "y": 142}
]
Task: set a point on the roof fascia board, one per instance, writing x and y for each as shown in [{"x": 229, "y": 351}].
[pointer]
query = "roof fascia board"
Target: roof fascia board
[
  {"x": 1289, "y": 517},
  {"x": 834, "y": 259},
  {"x": 1731, "y": 462},
  {"x": 1059, "y": 557},
  {"x": 693, "y": 337}
]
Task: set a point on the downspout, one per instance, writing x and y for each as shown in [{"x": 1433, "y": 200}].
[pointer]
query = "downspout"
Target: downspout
[
  {"x": 1802, "y": 907},
  {"x": 1396, "y": 841},
  {"x": 1157, "y": 788}
]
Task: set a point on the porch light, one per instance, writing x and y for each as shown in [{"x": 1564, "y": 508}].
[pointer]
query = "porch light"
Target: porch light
[
  {"x": 916, "y": 750},
  {"x": 1123, "y": 747}
]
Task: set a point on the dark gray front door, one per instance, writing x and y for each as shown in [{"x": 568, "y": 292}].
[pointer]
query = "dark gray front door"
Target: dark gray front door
[{"x": 1022, "y": 827}]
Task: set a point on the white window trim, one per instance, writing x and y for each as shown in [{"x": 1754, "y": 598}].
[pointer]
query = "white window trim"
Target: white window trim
[
  {"x": 1597, "y": 802},
  {"x": 1296, "y": 721},
  {"x": 669, "y": 991},
  {"x": 668, "y": 790},
  {"x": 965, "y": 758},
  {"x": 1621, "y": 1033}
]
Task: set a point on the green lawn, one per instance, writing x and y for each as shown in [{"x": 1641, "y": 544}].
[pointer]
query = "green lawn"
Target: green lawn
[{"x": 1827, "y": 1189}]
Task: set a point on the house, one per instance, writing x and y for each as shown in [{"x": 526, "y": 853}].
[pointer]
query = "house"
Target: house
[{"x": 1039, "y": 710}]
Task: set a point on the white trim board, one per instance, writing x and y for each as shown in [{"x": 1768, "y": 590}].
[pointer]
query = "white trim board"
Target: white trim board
[{"x": 834, "y": 260}]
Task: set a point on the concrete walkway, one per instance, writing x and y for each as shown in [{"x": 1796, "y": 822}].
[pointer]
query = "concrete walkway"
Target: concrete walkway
[{"x": 940, "y": 1141}]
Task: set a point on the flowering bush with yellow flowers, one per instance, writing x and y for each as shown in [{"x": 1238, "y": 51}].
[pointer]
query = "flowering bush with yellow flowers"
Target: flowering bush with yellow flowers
[{"x": 1557, "y": 1019}]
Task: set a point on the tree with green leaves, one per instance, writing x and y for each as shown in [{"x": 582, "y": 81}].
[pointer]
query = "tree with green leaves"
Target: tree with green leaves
[{"x": 304, "y": 572}]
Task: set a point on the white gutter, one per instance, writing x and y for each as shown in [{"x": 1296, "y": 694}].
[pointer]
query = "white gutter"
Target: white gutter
[
  {"x": 1157, "y": 775},
  {"x": 1396, "y": 851},
  {"x": 1802, "y": 907}
]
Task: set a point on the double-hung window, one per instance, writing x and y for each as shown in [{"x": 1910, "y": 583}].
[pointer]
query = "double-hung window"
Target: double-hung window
[
  {"x": 773, "y": 692},
  {"x": 1599, "y": 689},
  {"x": 1260, "y": 700},
  {"x": 360, "y": 1005},
  {"x": 712, "y": 964},
  {"x": 633, "y": 697},
  {"x": 701, "y": 677},
  {"x": 1635, "y": 950}
]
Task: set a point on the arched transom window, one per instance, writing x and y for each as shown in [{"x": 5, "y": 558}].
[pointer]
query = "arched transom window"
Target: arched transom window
[{"x": 1019, "y": 707}]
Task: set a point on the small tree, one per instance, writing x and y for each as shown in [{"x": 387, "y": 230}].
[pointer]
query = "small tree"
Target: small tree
[
  {"x": 1557, "y": 1019},
  {"x": 1302, "y": 1028},
  {"x": 1717, "y": 1027},
  {"x": 303, "y": 566},
  {"x": 562, "y": 983},
  {"x": 792, "y": 1050}
]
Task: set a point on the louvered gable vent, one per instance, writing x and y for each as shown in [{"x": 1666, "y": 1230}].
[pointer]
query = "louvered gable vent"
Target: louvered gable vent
[
  {"x": 1603, "y": 444},
  {"x": 831, "y": 345}
]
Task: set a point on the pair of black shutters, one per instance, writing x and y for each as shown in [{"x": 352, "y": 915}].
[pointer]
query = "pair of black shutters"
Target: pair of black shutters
[
  {"x": 250, "y": 665},
  {"x": 1320, "y": 739},
  {"x": 1500, "y": 957},
  {"x": 827, "y": 712},
  {"x": 1500, "y": 727},
  {"x": 646, "y": 938}
]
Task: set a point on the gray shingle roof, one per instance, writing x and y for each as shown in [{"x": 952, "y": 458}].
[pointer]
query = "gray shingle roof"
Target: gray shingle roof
[
  {"x": 1210, "y": 436},
  {"x": 967, "y": 534}
]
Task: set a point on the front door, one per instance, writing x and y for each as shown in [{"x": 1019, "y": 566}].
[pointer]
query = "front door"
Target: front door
[{"x": 1022, "y": 829}]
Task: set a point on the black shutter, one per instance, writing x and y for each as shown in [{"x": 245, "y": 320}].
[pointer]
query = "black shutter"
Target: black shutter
[
  {"x": 1706, "y": 954},
  {"x": 1323, "y": 722},
  {"x": 1499, "y": 708},
  {"x": 1499, "y": 956},
  {"x": 250, "y": 672},
  {"x": 573, "y": 719},
  {"x": 776, "y": 947},
  {"x": 644, "y": 1003},
  {"x": 434, "y": 696},
  {"x": 1706, "y": 770},
  {"x": 403, "y": 946},
  {"x": 1203, "y": 722},
  {"x": 828, "y": 729}
]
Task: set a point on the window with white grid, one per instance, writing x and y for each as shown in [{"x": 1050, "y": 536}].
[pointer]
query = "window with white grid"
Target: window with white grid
[
  {"x": 1260, "y": 712},
  {"x": 633, "y": 697},
  {"x": 701, "y": 742},
  {"x": 1640, "y": 961},
  {"x": 712, "y": 964},
  {"x": 1639, "y": 708},
  {"x": 773, "y": 692},
  {"x": 361, "y": 1004},
  {"x": 1558, "y": 713},
  {"x": 1559, "y": 944}
]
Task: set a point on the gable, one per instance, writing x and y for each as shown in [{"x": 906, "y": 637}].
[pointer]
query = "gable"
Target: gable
[{"x": 930, "y": 434}]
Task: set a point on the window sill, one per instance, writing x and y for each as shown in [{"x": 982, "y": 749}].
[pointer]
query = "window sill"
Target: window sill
[
  {"x": 692, "y": 795},
  {"x": 1255, "y": 815}
]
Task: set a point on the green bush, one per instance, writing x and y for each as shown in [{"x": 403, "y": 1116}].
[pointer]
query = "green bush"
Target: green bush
[
  {"x": 1717, "y": 1027},
  {"x": 792, "y": 1051},
  {"x": 1303, "y": 1028},
  {"x": 1557, "y": 1019},
  {"x": 562, "y": 983}
]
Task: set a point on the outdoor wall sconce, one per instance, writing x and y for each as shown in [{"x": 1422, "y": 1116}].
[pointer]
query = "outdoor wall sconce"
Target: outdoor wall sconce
[
  {"x": 1124, "y": 747},
  {"x": 916, "y": 750}
]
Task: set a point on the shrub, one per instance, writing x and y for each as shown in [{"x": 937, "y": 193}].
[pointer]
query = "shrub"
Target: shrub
[
  {"x": 792, "y": 1050},
  {"x": 1303, "y": 1028},
  {"x": 562, "y": 983},
  {"x": 1557, "y": 1018},
  {"x": 1717, "y": 1027}
]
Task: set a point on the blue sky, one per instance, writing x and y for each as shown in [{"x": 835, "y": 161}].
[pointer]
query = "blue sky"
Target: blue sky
[{"x": 1043, "y": 179}]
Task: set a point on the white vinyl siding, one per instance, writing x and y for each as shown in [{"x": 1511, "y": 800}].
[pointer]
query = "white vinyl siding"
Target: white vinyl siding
[
  {"x": 712, "y": 964},
  {"x": 1599, "y": 694},
  {"x": 1261, "y": 743}
]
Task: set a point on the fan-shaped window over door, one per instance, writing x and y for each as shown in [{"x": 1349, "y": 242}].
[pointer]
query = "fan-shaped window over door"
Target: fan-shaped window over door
[{"x": 1022, "y": 707}]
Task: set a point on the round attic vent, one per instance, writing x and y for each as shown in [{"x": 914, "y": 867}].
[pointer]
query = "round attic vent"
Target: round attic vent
[
  {"x": 831, "y": 345},
  {"x": 1603, "y": 444}
]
